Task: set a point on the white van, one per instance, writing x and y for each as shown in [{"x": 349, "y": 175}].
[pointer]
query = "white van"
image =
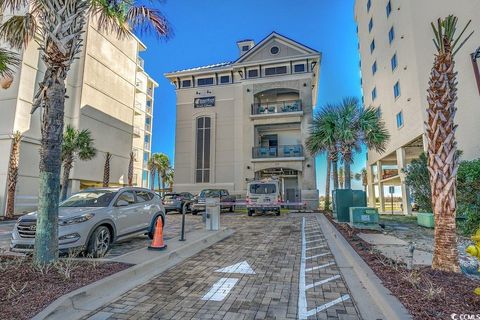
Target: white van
[{"x": 263, "y": 196}]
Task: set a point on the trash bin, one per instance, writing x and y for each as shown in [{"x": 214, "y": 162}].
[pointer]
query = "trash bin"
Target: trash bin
[{"x": 212, "y": 214}]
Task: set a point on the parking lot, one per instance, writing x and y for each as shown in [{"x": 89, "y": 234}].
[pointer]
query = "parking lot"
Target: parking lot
[{"x": 255, "y": 274}]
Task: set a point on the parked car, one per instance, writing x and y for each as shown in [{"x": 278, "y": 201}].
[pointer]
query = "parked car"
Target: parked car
[
  {"x": 226, "y": 200},
  {"x": 93, "y": 219},
  {"x": 263, "y": 196},
  {"x": 174, "y": 201}
]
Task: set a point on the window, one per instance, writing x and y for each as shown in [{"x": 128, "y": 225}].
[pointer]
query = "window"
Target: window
[
  {"x": 372, "y": 46},
  {"x": 186, "y": 83},
  {"x": 389, "y": 8},
  {"x": 274, "y": 50},
  {"x": 374, "y": 67},
  {"x": 399, "y": 119},
  {"x": 205, "y": 82},
  {"x": 275, "y": 70},
  {"x": 396, "y": 90},
  {"x": 245, "y": 48},
  {"x": 393, "y": 62},
  {"x": 299, "y": 68},
  {"x": 126, "y": 196},
  {"x": 391, "y": 35},
  {"x": 253, "y": 73},
  {"x": 369, "y": 4},
  {"x": 143, "y": 196},
  {"x": 370, "y": 25},
  {"x": 202, "y": 174},
  {"x": 145, "y": 156},
  {"x": 374, "y": 94},
  {"x": 225, "y": 79}
]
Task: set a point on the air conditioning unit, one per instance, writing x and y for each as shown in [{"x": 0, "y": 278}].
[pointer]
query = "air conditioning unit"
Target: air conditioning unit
[{"x": 364, "y": 218}]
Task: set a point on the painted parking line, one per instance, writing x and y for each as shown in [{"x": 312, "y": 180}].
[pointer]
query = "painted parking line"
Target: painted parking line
[
  {"x": 220, "y": 289},
  {"x": 316, "y": 240},
  {"x": 318, "y": 256},
  {"x": 319, "y": 267},
  {"x": 327, "y": 305},
  {"x": 319, "y": 283},
  {"x": 317, "y": 247},
  {"x": 302, "y": 299}
]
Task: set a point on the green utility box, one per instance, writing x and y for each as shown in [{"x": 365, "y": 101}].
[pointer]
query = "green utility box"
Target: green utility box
[
  {"x": 364, "y": 218},
  {"x": 343, "y": 199},
  {"x": 425, "y": 220}
]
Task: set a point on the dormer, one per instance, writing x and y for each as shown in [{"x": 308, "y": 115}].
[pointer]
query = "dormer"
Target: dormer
[{"x": 245, "y": 45}]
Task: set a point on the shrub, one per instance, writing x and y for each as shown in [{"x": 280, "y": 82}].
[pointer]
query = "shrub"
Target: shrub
[
  {"x": 468, "y": 195},
  {"x": 418, "y": 182}
]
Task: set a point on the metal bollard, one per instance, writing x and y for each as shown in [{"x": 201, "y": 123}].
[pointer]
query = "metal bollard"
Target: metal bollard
[{"x": 182, "y": 235}]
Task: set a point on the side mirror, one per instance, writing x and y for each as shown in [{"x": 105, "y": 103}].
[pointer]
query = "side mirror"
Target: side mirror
[{"x": 122, "y": 203}]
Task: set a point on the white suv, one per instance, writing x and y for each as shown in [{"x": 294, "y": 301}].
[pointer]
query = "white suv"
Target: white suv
[
  {"x": 93, "y": 219},
  {"x": 263, "y": 196}
]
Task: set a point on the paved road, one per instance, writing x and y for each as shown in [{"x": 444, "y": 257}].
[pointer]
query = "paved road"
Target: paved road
[{"x": 281, "y": 268}]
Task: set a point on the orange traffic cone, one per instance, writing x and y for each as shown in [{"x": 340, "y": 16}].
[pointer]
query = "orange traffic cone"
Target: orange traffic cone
[{"x": 157, "y": 243}]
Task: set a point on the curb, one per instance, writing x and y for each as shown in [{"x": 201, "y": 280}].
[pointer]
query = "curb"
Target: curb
[
  {"x": 78, "y": 303},
  {"x": 372, "y": 299}
]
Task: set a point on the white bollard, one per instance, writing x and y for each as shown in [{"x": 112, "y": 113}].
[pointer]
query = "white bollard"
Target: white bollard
[{"x": 212, "y": 210}]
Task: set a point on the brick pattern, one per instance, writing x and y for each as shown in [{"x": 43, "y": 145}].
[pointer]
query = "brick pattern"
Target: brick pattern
[{"x": 272, "y": 247}]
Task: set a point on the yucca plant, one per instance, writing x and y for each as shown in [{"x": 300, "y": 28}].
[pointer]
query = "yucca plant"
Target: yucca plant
[
  {"x": 130, "y": 169},
  {"x": 357, "y": 126},
  {"x": 58, "y": 27},
  {"x": 77, "y": 144},
  {"x": 12, "y": 177},
  {"x": 106, "y": 170},
  {"x": 323, "y": 138},
  {"x": 442, "y": 147}
]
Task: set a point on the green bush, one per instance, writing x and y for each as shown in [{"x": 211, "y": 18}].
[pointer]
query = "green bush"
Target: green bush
[
  {"x": 468, "y": 195},
  {"x": 418, "y": 182}
]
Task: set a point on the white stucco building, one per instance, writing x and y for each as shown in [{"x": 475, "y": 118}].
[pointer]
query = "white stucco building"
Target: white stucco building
[
  {"x": 397, "y": 52},
  {"x": 248, "y": 119},
  {"x": 109, "y": 93}
]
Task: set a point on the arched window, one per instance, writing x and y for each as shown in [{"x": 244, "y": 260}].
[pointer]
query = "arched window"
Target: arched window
[{"x": 202, "y": 171}]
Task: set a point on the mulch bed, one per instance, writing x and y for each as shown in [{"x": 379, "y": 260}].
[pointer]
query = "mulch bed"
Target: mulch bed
[
  {"x": 426, "y": 293},
  {"x": 26, "y": 290}
]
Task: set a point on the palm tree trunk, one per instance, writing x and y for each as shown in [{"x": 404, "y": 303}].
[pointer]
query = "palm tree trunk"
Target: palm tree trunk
[
  {"x": 347, "y": 158},
  {"x": 327, "y": 183},
  {"x": 67, "y": 167},
  {"x": 106, "y": 170},
  {"x": 46, "y": 239},
  {"x": 335, "y": 174},
  {"x": 13, "y": 174},
  {"x": 152, "y": 180},
  {"x": 130, "y": 169}
]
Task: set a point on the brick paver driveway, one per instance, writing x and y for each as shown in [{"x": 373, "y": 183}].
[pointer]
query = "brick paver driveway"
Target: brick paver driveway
[{"x": 293, "y": 275}]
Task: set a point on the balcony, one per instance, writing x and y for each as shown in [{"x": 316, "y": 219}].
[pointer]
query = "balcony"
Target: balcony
[
  {"x": 150, "y": 91},
  {"x": 140, "y": 63},
  {"x": 148, "y": 127},
  {"x": 279, "y": 107},
  {"x": 285, "y": 151},
  {"x": 146, "y": 146},
  {"x": 137, "y": 131}
]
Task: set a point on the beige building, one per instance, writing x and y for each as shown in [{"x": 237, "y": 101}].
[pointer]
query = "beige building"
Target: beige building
[
  {"x": 248, "y": 119},
  {"x": 397, "y": 51},
  {"x": 109, "y": 94}
]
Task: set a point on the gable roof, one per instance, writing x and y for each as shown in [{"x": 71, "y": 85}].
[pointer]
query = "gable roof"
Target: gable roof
[{"x": 272, "y": 35}]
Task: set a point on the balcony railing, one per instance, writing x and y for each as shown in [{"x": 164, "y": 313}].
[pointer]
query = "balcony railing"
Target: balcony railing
[
  {"x": 277, "y": 107},
  {"x": 150, "y": 91},
  {"x": 148, "y": 127},
  {"x": 146, "y": 146},
  {"x": 140, "y": 62},
  {"x": 137, "y": 131},
  {"x": 388, "y": 173},
  {"x": 286, "y": 151}
]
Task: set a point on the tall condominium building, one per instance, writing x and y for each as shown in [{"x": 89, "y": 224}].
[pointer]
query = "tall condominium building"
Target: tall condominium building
[
  {"x": 248, "y": 119},
  {"x": 397, "y": 52},
  {"x": 109, "y": 94}
]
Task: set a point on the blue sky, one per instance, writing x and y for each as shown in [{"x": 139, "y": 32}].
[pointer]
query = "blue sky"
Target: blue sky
[{"x": 206, "y": 32}]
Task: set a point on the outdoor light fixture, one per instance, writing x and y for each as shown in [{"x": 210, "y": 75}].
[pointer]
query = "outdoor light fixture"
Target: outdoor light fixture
[
  {"x": 248, "y": 90},
  {"x": 240, "y": 72},
  {"x": 313, "y": 64},
  {"x": 248, "y": 167}
]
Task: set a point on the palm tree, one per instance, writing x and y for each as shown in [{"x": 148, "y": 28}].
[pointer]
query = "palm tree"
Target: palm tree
[
  {"x": 8, "y": 61},
  {"x": 58, "y": 26},
  {"x": 362, "y": 176},
  {"x": 357, "y": 126},
  {"x": 163, "y": 165},
  {"x": 13, "y": 173},
  {"x": 76, "y": 144},
  {"x": 341, "y": 177},
  {"x": 442, "y": 147},
  {"x": 152, "y": 167},
  {"x": 130, "y": 168},
  {"x": 106, "y": 169},
  {"x": 323, "y": 138},
  {"x": 169, "y": 178}
]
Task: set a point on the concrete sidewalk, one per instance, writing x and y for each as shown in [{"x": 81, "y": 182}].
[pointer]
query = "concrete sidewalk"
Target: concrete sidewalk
[{"x": 147, "y": 264}]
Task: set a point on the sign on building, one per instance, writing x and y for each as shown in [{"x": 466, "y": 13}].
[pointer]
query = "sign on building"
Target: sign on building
[{"x": 204, "y": 102}]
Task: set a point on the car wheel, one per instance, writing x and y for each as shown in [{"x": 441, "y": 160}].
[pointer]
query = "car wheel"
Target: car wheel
[
  {"x": 99, "y": 242},
  {"x": 232, "y": 208},
  {"x": 277, "y": 213},
  {"x": 250, "y": 213}
]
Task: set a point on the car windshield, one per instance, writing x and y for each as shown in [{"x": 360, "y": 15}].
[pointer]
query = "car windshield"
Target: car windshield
[
  {"x": 210, "y": 193},
  {"x": 171, "y": 196},
  {"x": 100, "y": 198},
  {"x": 263, "y": 188}
]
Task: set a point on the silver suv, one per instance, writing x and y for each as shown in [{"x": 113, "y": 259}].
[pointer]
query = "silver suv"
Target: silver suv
[{"x": 93, "y": 219}]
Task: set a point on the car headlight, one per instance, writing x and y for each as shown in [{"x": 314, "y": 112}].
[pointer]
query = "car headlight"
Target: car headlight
[{"x": 78, "y": 219}]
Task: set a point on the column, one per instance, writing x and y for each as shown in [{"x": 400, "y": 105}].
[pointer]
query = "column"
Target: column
[
  {"x": 370, "y": 187},
  {"x": 380, "y": 187},
  {"x": 401, "y": 164}
]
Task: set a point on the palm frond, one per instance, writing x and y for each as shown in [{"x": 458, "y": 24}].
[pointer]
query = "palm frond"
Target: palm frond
[
  {"x": 8, "y": 61},
  {"x": 148, "y": 20},
  {"x": 13, "y": 5},
  {"x": 17, "y": 31}
]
